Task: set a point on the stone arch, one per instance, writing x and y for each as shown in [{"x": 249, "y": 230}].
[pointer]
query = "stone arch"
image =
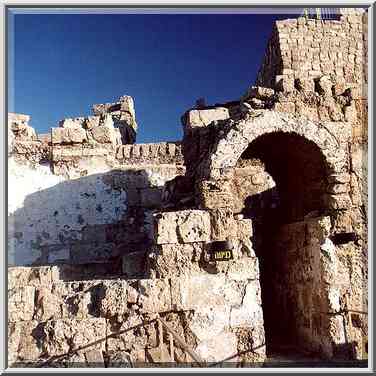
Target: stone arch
[
  {"x": 236, "y": 138},
  {"x": 290, "y": 257}
]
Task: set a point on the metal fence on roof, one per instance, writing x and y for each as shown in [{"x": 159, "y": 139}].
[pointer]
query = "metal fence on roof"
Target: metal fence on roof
[{"x": 322, "y": 13}]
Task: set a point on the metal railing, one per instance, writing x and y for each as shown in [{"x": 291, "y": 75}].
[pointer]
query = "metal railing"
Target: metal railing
[
  {"x": 172, "y": 335},
  {"x": 322, "y": 13}
]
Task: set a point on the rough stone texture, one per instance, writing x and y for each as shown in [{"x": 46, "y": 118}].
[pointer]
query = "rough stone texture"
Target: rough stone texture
[
  {"x": 307, "y": 48},
  {"x": 186, "y": 226},
  {"x": 158, "y": 153},
  {"x": 19, "y": 125},
  {"x": 202, "y": 118}
]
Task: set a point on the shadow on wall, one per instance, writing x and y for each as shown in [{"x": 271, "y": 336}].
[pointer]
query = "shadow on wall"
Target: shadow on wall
[{"x": 90, "y": 222}]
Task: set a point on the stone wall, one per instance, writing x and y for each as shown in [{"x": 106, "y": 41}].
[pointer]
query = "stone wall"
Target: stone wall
[
  {"x": 93, "y": 201},
  {"x": 306, "y": 49},
  {"x": 54, "y": 321},
  {"x": 309, "y": 282}
]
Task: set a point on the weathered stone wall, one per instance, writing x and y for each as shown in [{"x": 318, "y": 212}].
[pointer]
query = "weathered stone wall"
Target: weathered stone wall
[
  {"x": 309, "y": 282},
  {"x": 78, "y": 198},
  {"x": 155, "y": 153},
  {"x": 105, "y": 322},
  {"x": 306, "y": 49}
]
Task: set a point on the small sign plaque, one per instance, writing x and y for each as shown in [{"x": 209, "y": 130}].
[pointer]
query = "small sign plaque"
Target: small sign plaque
[
  {"x": 221, "y": 251},
  {"x": 224, "y": 255}
]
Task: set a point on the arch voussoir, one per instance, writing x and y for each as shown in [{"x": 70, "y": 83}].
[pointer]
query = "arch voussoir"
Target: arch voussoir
[{"x": 233, "y": 143}]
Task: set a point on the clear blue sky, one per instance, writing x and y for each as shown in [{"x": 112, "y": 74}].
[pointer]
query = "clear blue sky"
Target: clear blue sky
[{"x": 64, "y": 63}]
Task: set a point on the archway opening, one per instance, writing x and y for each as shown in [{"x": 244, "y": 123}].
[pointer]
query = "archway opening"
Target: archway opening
[{"x": 290, "y": 172}]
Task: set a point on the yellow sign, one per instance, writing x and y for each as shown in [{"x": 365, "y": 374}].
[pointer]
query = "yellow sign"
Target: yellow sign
[{"x": 223, "y": 255}]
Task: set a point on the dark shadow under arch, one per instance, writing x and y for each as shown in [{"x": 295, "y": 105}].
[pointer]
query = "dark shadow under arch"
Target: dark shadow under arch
[{"x": 298, "y": 168}]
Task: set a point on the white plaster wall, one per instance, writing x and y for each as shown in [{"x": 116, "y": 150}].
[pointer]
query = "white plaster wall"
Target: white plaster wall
[{"x": 46, "y": 210}]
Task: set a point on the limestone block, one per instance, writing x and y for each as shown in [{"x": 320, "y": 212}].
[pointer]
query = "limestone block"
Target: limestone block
[
  {"x": 197, "y": 292},
  {"x": 136, "y": 151},
  {"x": 132, "y": 293},
  {"x": 250, "y": 311},
  {"x": 13, "y": 341},
  {"x": 305, "y": 85},
  {"x": 245, "y": 268},
  {"x": 256, "y": 103},
  {"x": 120, "y": 359},
  {"x": 18, "y": 118},
  {"x": 23, "y": 132},
  {"x": 47, "y": 304},
  {"x": 155, "y": 295},
  {"x": 21, "y": 303},
  {"x": 223, "y": 225},
  {"x": 102, "y": 108},
  {"x": 94, "y": 358},
  {"x": 71, "y": 334},
  {"x": 208, "y": 322},
  {"x": 127, "y": 105},
  {"x": 32, "y": 276},
  {"x": 186, "y": 226},
  {"x": 288, "y": 107},
  {"x": 339, "y": 178},
  {"x": 215, "y": 194},
  {"x": 174, "y": 260},
  {"x": 202, "y": 118},
  {"x": 338, "y": 188},
  {"x": 104, "y": 134},
  {"x": 350, "y": 113},
  {"x": 72, "y": 122},
  {"x": 308, "y": 111},
  {"x": 324, "y": 85},
  {"x": 259, "y": 92},
  {"x": 66, "y": 152},
  {"x": 342, "y": 221},
  {"x": 25, "y": 341},
  {"x": 338, "y": 201},
  {"x": 284, "y": 83},
  {"x": 68, "y": 135},
  {"x": 92, "y": 121},
  {"x": 78, "y": 305},
  {"x": 127, "y": 335},
  {"x": 114, "y": 301},
  {"x": 219, "y": 348},
  {"x": 244, "y": 228},
  {"x": 78, "y": 298}
]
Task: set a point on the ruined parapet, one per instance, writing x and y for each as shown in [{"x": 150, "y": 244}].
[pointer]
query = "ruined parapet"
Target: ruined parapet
[
  {"x": 23, "y": 143},
  {"x": 123, "y": 115},
  {"x": 152, "y": 153},
  {"x": 200, "y": 124},
  {"x": 19, "y": 125},
  {"x": 81, "y": 142}
]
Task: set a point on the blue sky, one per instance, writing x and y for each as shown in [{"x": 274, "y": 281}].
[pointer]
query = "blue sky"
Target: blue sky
[{"x": 61, "y": 64}]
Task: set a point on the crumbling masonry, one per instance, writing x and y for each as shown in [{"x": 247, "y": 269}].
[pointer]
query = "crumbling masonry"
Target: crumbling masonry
[{"x": 106, "y": 235}]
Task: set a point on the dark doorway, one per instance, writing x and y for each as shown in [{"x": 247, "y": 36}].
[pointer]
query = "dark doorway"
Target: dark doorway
[{"x": 284, "y": 218}]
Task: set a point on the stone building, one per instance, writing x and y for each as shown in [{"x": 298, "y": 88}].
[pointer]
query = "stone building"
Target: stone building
[{"x": 246, "y": 238}]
